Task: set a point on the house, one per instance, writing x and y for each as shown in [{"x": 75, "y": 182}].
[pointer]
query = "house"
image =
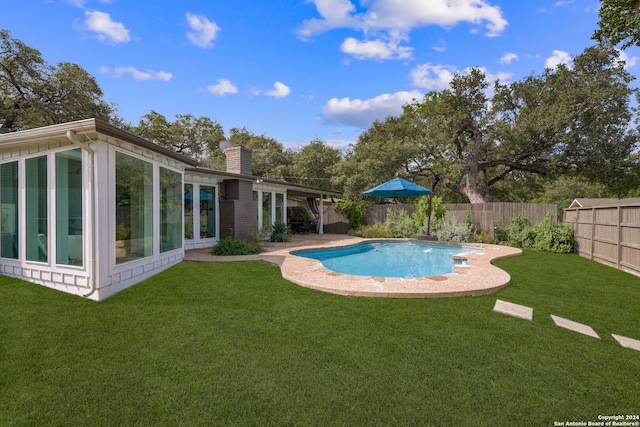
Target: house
[{"x": 90, "y": 209}]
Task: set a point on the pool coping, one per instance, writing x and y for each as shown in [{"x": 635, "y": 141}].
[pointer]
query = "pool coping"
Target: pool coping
[{"x": 478, "y": 277}]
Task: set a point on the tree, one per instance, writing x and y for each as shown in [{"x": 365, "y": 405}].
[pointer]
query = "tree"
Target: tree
[
  {"x": 313, "y": 163},
  {"x": 34, "y": 94},
  {"x": 574, "y": 122},
  {"x": 619, "y": 23},
  {"x": 269, "y": 159},
  {"x": 388, "y": 148},
  {"x": 566, "y": 121},
  {"x": 195, "y": 137}
]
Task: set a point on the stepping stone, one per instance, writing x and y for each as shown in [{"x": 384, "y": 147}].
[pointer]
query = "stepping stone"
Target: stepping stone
[
  {"x": 575, "y": 326},
  {"x": 627, "y": 342},
  {"x": 515, "y": 310}
]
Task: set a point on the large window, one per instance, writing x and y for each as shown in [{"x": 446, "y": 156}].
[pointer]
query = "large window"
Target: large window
[
  {"x": 9, "y": 210},
  {"x": 69, "y": 228},
  {"x": 36, "y": 209},
  {"x": 170, "y": 210},
  {"x": 280, "y": 207},
  {"x": 188, "y": 211},
  {"x": 207, "y": 212},
  {"x": 134, "y": 208},
  {"x": 266, "y": 211}
]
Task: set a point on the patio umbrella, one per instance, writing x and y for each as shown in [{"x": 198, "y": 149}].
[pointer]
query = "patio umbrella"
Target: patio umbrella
[{"x": 398, "y": 187}]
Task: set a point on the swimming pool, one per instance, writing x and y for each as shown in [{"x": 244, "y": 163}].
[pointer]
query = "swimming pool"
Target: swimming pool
[{"x": 398, "y": 259}]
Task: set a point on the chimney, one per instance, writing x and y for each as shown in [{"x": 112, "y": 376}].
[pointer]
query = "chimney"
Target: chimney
[{"x": 238, "y": 160}]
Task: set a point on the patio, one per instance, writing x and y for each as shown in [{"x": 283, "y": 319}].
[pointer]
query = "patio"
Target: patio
[{"x": 480, "y": 277}]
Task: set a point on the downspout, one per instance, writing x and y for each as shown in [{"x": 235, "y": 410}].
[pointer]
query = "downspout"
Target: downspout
[{"x": 72, "y": 137}]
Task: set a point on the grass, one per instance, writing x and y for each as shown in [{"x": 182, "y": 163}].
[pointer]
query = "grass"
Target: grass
[{"x": 235, "y": 344}]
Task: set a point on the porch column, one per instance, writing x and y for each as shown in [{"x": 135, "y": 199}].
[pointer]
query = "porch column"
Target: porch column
[{"x": 321, "y": 216}]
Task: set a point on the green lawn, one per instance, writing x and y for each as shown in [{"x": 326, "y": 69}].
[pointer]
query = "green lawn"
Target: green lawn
[{"x": 235, "y": 344}]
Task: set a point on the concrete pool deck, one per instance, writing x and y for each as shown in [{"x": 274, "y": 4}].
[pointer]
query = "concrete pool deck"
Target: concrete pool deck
[{"x": 479, "y": 277}]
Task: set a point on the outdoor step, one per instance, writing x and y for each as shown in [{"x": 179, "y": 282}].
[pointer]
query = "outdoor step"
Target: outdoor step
[
  {"x": 575, "y": 326},
  {"x": 515, "y": 310},
  {"x": 627, "y": 342}
]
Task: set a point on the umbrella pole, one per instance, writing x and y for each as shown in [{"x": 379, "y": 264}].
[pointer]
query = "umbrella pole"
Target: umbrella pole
[{"x": 429, "y": 217}]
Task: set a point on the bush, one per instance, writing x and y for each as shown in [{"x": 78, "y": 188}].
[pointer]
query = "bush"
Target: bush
[
  {"x": 373, "y": 231},
  {"x": 399, "y": 224},
  {"x": 280, "y": 232},
  {"x": 449, "y": 229},
  {"x": 421, "y": 215},
  {"x": 543, "y": 236},
  {"x": 231, "y": 246},
  {"x": 354, "y": 211}
]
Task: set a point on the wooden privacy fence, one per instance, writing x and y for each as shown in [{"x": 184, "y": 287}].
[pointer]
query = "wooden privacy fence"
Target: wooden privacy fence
[
  {"x": 486, "y": 215},
  {"x": 608, "y": 234}
]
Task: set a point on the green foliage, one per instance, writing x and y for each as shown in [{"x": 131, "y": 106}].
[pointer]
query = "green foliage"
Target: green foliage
[
  {"x": 354, "y": 211},
  {"x": 373, "y": 231},
  {"x": 421, "y": 215},
  {"x": 449, "y": 229},
  {"x": 545, "y": 235},
  {"x": 280, "y": 232},
  {"x": 312, "y": 165},
  {"x": 619, "y": 23},
  {"x": 399, "y": 224},
  {"x": 34, "y": 93},
  {"x": 231, "y": 246},
  {"x": 481, "y": 236}
]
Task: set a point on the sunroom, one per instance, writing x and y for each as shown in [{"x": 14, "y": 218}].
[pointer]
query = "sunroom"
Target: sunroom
[{"x": 90, "y": 209}]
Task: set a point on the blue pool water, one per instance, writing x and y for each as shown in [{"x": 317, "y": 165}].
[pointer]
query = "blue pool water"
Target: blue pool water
[{"x": 389, "y": 258}]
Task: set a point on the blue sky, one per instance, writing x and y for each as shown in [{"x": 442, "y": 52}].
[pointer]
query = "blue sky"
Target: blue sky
[{"x": 298, "y": 70}]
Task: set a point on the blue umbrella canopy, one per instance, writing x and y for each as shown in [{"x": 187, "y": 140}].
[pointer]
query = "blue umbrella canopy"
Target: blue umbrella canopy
[{"x": 398, "y": 187}]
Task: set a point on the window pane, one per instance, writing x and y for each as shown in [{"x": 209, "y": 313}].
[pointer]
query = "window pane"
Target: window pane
[
  {"x": 279, "y": 207},
  {"x": 170, "y": 210},
  {"x": 255, "y": 199},
  {"x": 134, "y": 208},
  {"x": 36, "y": 209},
  {"x": 9, "y": 209},
  {"x": 69, "y": 207},
  {"x": 266, "y": 211},
  {"x": 188, "y": 211},
  {"x": 207, "y": 212}
]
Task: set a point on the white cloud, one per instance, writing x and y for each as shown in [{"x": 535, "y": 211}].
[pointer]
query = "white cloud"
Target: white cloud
[
  {"x": 508, "y": 58},
  {"x": 223, "y": 87},
  {"x": 630, "y": 61},
  {"x": 204, "y": 31},
  {"x": 102, "y": 24},
  {"x": 162, "y": 76},
  {"x": 440, "y": 46},
  {"x": 433, "y": 77},
  {"x": 558, "y": 57},
  {"x": 396, "y": 18},
  {"x": 438, "y": 77},
  {"x": 280, "y": 90},
  {"x": 375, "y": 49},
  {"x": 361, "y": 113}
]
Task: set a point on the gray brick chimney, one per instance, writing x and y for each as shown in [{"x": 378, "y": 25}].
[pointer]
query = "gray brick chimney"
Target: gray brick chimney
[{"x": 239, "y": 160}]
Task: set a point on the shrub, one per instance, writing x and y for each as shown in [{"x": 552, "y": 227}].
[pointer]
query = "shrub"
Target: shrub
[
  {"x": 421, "y": 215},
  {"x": 231, "y": 246},
  {"x": 543, "y": 236},
  {"x": 354, "y": 211},
  {"x": 399, "y": 224},
  {"x": 449, "y": 229},
  {"x": 373, "y": 231},
  {"x": 280, "y": 232}
]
